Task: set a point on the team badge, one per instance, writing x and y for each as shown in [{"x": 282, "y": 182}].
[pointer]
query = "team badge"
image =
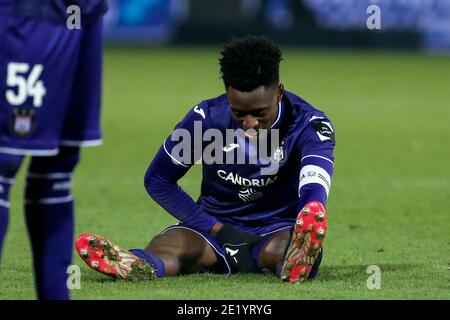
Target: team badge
[
  {"x": 23, "y": 122},
  {"x": 279, "y": 154}
]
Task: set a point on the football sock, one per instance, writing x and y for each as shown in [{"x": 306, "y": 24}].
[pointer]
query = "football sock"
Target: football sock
[
  {"x": 49, "y": 211},
  {"x": 50, "y": 227},
  {"x": 152, "y": 259}
]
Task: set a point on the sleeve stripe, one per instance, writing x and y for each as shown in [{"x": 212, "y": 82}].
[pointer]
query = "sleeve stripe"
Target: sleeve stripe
[
  {"x": 314, "y": 174},
  {"x": 316, "y": 156},
  {"x": 175, "y": 160}
]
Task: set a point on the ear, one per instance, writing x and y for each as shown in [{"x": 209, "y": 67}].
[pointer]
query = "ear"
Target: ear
[{"x": 280, "y": 92}]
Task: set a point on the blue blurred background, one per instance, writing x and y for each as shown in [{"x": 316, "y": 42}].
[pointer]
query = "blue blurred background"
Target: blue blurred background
[{"x": 415, "y": 24}]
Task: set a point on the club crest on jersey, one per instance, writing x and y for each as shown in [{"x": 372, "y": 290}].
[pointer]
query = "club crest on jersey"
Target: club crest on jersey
[
  {"x": 23, "y": 122},
  {"x": 279, "y": 154}
]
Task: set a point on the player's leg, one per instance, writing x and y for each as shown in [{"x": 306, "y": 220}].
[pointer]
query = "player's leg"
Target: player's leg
[
  {"x": 175, "y": 251},
  {"x": 9, "y": 165},
  {"x": 182, "y": 251},
  {"x": 49, "y": 211},
  {"x": 270, "y": 254}
]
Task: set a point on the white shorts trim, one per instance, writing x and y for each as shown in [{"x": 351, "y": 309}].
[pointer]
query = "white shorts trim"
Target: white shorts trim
[
  {"x": 214, "y": 248},
  {"x": 50, "y": 200},
  {"x": 29, "y": 152},
  {"x": 277, "y": 230},
  {"x": 81, "y": 143}
]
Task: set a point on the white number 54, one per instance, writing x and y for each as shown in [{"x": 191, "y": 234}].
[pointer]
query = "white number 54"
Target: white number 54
[{"x": 26, "y": 87}]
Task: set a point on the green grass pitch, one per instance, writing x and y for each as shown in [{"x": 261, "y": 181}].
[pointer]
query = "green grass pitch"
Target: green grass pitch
[{"x": 390, "y": 200}]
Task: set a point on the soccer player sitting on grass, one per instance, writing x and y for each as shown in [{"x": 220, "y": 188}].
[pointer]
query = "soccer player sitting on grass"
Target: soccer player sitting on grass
[{"x": 252, "y": 216}]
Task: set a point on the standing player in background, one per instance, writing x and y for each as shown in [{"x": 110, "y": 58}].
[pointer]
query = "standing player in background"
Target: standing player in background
[
  {"x": 50, "y": 92},
  {"x": 248, "y": 218}
]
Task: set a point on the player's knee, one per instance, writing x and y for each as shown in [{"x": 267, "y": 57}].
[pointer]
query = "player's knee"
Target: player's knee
[
  {"x": 272, "y": 252},
  {"x": 49, "y": 179},
  {"x": 65, "y": 161},
  {"x": 179, "y": 249},
  {"x": 179, "y": 242},
  {"x": 164, "y": 244}
]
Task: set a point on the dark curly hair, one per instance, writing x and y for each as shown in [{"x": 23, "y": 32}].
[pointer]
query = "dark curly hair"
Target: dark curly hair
[{"x": 250, "y": 62}]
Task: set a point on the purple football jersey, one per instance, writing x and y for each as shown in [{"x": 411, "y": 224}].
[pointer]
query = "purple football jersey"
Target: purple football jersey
[{"x": 245, "y": 194}]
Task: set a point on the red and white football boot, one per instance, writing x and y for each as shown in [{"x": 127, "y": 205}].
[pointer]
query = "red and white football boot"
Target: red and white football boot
[
  {"x": 105, "y": 257},
  {"x": 306, "y": 241}
]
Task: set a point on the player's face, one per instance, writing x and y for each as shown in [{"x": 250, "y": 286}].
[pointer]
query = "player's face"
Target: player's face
[{"x": 256, "y": 109}]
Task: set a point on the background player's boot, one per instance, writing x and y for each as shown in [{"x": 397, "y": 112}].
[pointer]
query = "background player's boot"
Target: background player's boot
[
  {"x": 105, "y": 257},
  {"x": 306, "y": 242}
]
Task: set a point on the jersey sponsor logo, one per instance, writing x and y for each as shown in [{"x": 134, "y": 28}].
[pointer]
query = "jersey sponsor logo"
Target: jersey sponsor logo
[
  {"x": 200, "y": 111},
  {"x": 230, "y": 147},
  {"x": 245, "y": 182},
  {"x": 249, "y": 194},
  {"x": 324, "y": 130}
]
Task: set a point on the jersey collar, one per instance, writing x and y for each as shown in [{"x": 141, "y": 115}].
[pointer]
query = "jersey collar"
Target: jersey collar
[{"x": 277, "y": 122}]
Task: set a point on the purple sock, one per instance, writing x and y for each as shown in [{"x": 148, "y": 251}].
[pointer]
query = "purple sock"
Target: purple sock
[
  {"x": 49, "y": 211},
  {"x": 51, "y": 228},
  {"x": 152, "y": 259}
]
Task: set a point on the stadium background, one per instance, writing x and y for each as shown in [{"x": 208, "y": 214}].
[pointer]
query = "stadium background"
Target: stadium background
[{"x": 387, "y": 92}]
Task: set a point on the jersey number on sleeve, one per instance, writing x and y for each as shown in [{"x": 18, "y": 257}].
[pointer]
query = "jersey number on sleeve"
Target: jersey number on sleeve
[{"x": 26, "y": 87}]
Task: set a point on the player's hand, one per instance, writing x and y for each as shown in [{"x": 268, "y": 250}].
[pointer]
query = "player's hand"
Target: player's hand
[{"x": 238, "y": 245}]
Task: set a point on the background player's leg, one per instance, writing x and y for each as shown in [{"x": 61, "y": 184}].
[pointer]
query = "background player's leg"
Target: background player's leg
[
  {"x": 9, "y": 165},
  {"x": 182, "y": 251},
  {"x": 50, "y": 220}
]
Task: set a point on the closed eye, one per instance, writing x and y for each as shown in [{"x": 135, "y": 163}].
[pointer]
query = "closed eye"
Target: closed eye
[
  {"x": 256, "y": 113},
  {"x": 239, "y": 114}
]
